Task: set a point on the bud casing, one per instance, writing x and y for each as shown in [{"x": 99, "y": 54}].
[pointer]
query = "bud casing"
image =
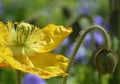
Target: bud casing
[{"x": 106, "y": 60}]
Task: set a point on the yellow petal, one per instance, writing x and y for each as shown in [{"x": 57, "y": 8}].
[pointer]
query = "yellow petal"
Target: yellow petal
[
  {"x": 46, "y": 65},
  {"x": 48, "y": 38},
  {"x": 48, "y": 59},
  {"x": 6, "y": 59},
  {"x": 50, "y": 64},
  {"x": 12, "y": 34},
  {"x": 4, "y": 53},
  {"x": 3, "y": 33}
]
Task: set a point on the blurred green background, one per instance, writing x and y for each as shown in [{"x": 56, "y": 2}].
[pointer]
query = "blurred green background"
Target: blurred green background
[{"x": 66, "y": 13}]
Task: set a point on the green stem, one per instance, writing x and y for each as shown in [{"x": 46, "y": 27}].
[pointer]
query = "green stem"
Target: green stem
[
  {"x": 79, "y": 41},
  {"x": 18, "y": 78}
]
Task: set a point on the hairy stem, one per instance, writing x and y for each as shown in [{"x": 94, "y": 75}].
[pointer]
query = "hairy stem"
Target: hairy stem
[{"x": 79, "y": 41}]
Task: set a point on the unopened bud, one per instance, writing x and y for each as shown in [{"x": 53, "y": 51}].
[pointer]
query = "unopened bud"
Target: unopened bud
[{"x": 106, "y": 60}]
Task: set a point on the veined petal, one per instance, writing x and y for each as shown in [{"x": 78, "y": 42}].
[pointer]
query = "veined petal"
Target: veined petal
[
  {"x": 46, "y": 65},
  {"x": 48, "y": 38},
  {"x": 3, "y": 33},
  {"x": 5, "y": 52},
  {"x": 12, "y": 33},
  {"x": 50, "y": 64},
  {"x": 49, "y": 59},
  {"x": 7, "y": 60}
]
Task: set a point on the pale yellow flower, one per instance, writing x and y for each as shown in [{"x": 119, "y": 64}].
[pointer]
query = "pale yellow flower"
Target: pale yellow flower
[{"x": 27, "y": 48}]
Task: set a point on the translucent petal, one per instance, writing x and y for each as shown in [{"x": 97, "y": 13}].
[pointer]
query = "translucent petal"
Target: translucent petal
[
  {"x": 48, "y": 38},
  {"x": 3, "y": 33},
  {"x": 12, "y": 34},
  {"x": 45, "y": 65},
  {"x": 4, "y": 53}
]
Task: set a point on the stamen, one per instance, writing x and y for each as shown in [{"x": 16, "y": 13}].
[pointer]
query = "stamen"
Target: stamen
[{"x": 23, "y": 31}]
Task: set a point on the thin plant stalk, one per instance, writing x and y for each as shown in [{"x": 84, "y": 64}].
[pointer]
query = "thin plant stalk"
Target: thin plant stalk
[
  {"x": 18, "y": 77},
  {"x": 79, "y": 41}
]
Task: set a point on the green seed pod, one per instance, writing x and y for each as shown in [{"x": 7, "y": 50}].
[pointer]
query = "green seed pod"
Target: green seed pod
[{"x": 106, "y": 60}]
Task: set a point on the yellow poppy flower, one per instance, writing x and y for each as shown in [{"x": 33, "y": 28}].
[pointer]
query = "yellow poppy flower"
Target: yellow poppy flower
[{"x": 27, "y": 48}]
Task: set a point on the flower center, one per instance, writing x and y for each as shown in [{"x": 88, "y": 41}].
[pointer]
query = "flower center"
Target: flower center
[
  {"x": 23, "y": 32},
  {"x": 19, "y": 39}
]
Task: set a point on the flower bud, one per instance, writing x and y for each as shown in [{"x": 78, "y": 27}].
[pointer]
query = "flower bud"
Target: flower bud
[{"x": 106, "y": 60}]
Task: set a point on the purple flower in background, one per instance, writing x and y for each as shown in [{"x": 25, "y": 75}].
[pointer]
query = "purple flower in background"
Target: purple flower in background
[
  {"x": 1, "y": 8},
  {"x": 96, "y": 36},
  {"x": 98, "y": 20},
  {"x": 80, "y": 55},
  {"x": 99, "y": 39},
  {"x": 67, "y": 48},
  {"x": 85, "y": 10},
  {"x": 33, "y": 79},
  {"x": 86, "y": 7},
  {"x": 63, "y": 45},
  {"x": 87, "y": 40}
]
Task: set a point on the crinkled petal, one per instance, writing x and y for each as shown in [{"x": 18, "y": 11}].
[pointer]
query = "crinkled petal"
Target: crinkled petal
[
  {"x": 48, "y": 38},
  {"x": 5, "y": 52},
  {"x": 12, "y": 33},
  {"x": 45, "y": 65},
  {"x": 3, "y": 33},
  {"x": 51, "y": 64},
  {"x": 7, "y": 60}
]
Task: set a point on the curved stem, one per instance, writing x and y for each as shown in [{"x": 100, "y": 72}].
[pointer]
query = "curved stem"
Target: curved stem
[{"x": 79, "y": 41}]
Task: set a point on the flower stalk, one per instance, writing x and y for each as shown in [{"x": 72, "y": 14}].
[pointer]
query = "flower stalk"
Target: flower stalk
[
  {"x": 18, "y": 77},
  {"x": 79, "y": 41}
]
